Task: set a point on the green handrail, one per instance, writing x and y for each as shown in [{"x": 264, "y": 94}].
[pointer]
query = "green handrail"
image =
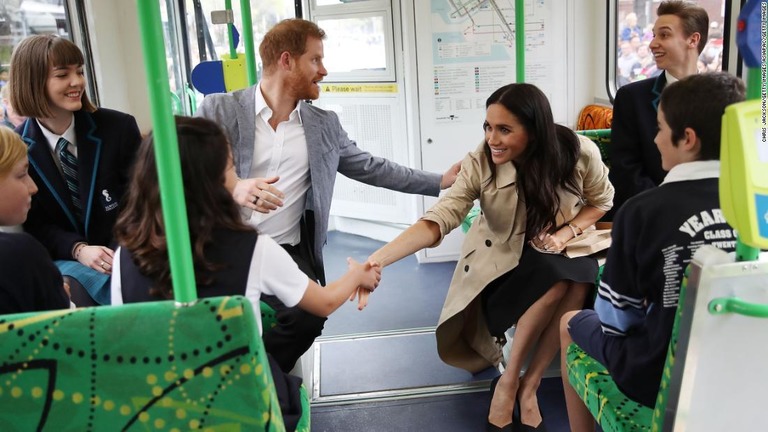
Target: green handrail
[
  {"x": 250, "y": 51},
  {"x": 520, "y": 40},
  {"x": 724, "y": 305},
  {"x": 167, "y": 153},
  {"x": 191, "y": 98},
  {"x": 230, "y": 34}
]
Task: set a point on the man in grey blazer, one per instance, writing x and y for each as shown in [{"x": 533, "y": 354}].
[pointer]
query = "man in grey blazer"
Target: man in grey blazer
[{"x": 287, "y": 153}]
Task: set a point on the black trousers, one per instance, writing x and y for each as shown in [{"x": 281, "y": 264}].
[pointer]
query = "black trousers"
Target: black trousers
[
  {"x": 288, "y": 395},
  {"x": 296, "y": 329}
]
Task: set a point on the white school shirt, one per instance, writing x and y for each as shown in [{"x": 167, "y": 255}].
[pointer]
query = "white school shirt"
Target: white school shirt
[
  {"x": 272, "y": 272},
  {"x": 281, "y": 152}
]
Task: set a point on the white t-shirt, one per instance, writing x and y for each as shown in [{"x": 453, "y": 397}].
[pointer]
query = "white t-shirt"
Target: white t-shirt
[{"x": 272, "y": 272}]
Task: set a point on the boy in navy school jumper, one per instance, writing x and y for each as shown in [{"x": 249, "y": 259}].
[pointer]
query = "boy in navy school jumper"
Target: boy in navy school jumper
[{"x": 655, "y": 235}]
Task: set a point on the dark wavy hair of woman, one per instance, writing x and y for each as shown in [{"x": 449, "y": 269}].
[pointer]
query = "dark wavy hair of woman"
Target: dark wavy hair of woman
[
  {"x": 548, "y": 161},
  {"x": 204, "y": 154}
]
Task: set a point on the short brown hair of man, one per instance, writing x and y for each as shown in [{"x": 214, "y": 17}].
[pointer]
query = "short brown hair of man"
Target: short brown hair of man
[
  {"x": 288, "y": 35},
  {"x": 31, "y": 63},
  {"x": 693, "y": 17},
  {"x": 698, "y": 102}
]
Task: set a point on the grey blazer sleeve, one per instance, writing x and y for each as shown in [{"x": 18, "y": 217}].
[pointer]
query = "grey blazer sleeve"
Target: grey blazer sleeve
[{"x": 364, "y": 167}]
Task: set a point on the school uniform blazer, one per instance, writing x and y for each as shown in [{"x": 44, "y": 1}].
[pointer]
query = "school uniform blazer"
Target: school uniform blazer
[
  {"x": 107, "y": 142},
  {"x": 494, "y": 243},
  {"x": 635, "y": 160},
  {"x": 330, "y": 151}
]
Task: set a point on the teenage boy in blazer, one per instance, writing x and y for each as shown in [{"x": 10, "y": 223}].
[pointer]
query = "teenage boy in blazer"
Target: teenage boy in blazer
[{"x": 679, "y": 36}]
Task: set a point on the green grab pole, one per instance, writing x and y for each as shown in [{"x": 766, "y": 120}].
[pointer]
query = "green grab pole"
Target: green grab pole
[
  {"x": 755, "y": 83},
  {"x": 520, "y": 41},
  {"x": 725, "y": 305},
  {"x": 250, "y": 51},
  {"x": 167, "y": 153},
  {"x": 230, "y": 35}
]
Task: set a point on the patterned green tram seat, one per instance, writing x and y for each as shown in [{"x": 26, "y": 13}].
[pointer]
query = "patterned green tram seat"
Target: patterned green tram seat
[
  {"x": 148, "y": 366},
  {"x": 611, "y": 408}
]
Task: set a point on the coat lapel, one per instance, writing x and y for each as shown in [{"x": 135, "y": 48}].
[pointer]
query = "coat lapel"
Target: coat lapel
[
  {"x": 41, "y": 160},
  {"x": 506, "y": 197}
]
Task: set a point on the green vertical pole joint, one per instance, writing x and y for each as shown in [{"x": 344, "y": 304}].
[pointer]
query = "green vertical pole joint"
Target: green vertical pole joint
[{"x": 166, "y": 153}]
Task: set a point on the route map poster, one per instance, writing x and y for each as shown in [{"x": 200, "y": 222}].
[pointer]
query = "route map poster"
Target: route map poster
[{"x": 473, "y": 52}]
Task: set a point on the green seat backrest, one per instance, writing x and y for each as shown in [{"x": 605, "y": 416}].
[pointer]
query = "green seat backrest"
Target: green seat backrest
[
  {"x": 268, "y": 316},
  {"x": 610, "y": 407},
  {"x": 145, "y": 366},
  {"x": 601, "y": 137}
]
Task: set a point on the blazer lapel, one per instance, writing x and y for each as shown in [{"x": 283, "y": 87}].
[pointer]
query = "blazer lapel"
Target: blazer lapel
[
  {"x": 658, "y": 86},
  {"x": 41, "y": 160},
  {"x": 88, "y": 157},
  {"x": 312, "y": 135},
  {"x": 246, "y": 124}
]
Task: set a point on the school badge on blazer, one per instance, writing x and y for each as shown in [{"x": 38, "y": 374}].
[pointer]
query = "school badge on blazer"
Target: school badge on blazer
[{"x": 109, "y": 202}]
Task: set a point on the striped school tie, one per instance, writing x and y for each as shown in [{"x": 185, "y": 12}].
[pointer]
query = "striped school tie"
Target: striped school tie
[{"x": 69, "y": 168}]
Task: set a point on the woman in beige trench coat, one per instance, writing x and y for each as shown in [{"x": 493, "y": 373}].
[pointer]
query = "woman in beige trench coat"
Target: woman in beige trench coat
[{"x": 539, "y": 186}]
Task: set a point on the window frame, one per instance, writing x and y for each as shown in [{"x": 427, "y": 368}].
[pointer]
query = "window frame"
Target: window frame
[
  {"x": 362, "y": 9},
  {"x": 612, "y": 28}
]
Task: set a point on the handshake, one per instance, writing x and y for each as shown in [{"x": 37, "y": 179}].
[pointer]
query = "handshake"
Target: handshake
[{"x": 366, "y": 277}]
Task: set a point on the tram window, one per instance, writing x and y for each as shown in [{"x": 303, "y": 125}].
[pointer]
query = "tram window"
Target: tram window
[
  {"x": 193, "y": 39},
  {"x": 632, "y": 59},
  {"x": 209, "y": 41},
  {"x": 19, "y": 19},
  {"x": 364, "y": 36},
  {"x": 364, "y": 28},
  {"x": 338, "y": 2}
]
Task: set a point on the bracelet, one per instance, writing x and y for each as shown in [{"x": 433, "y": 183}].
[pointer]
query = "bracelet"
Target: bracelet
[
  {"x": 574, "y": 228},
  {"x": 77, "y": 249}
]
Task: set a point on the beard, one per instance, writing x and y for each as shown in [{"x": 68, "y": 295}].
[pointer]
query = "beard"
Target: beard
[{"x": 302, "y": 87}]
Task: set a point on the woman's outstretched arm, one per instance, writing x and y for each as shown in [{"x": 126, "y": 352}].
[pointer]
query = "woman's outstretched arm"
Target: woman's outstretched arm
[{"x": 422, "y": 234}]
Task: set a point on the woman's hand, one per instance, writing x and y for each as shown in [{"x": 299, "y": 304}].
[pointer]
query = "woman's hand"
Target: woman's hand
[
  {"x": 362, "y": 295},
  {"x": 369, "y": 274},
  {"x": 553, "y": 243},
  {"x": 372, "y": 271},
  {"x": 98, "y": 258}
]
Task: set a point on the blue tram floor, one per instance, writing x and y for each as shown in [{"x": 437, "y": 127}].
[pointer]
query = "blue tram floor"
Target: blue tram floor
[{"x": 372, "y": 364}]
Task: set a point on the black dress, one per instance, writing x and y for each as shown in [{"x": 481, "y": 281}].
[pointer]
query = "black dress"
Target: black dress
[{"x": 507, "y": 298}]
